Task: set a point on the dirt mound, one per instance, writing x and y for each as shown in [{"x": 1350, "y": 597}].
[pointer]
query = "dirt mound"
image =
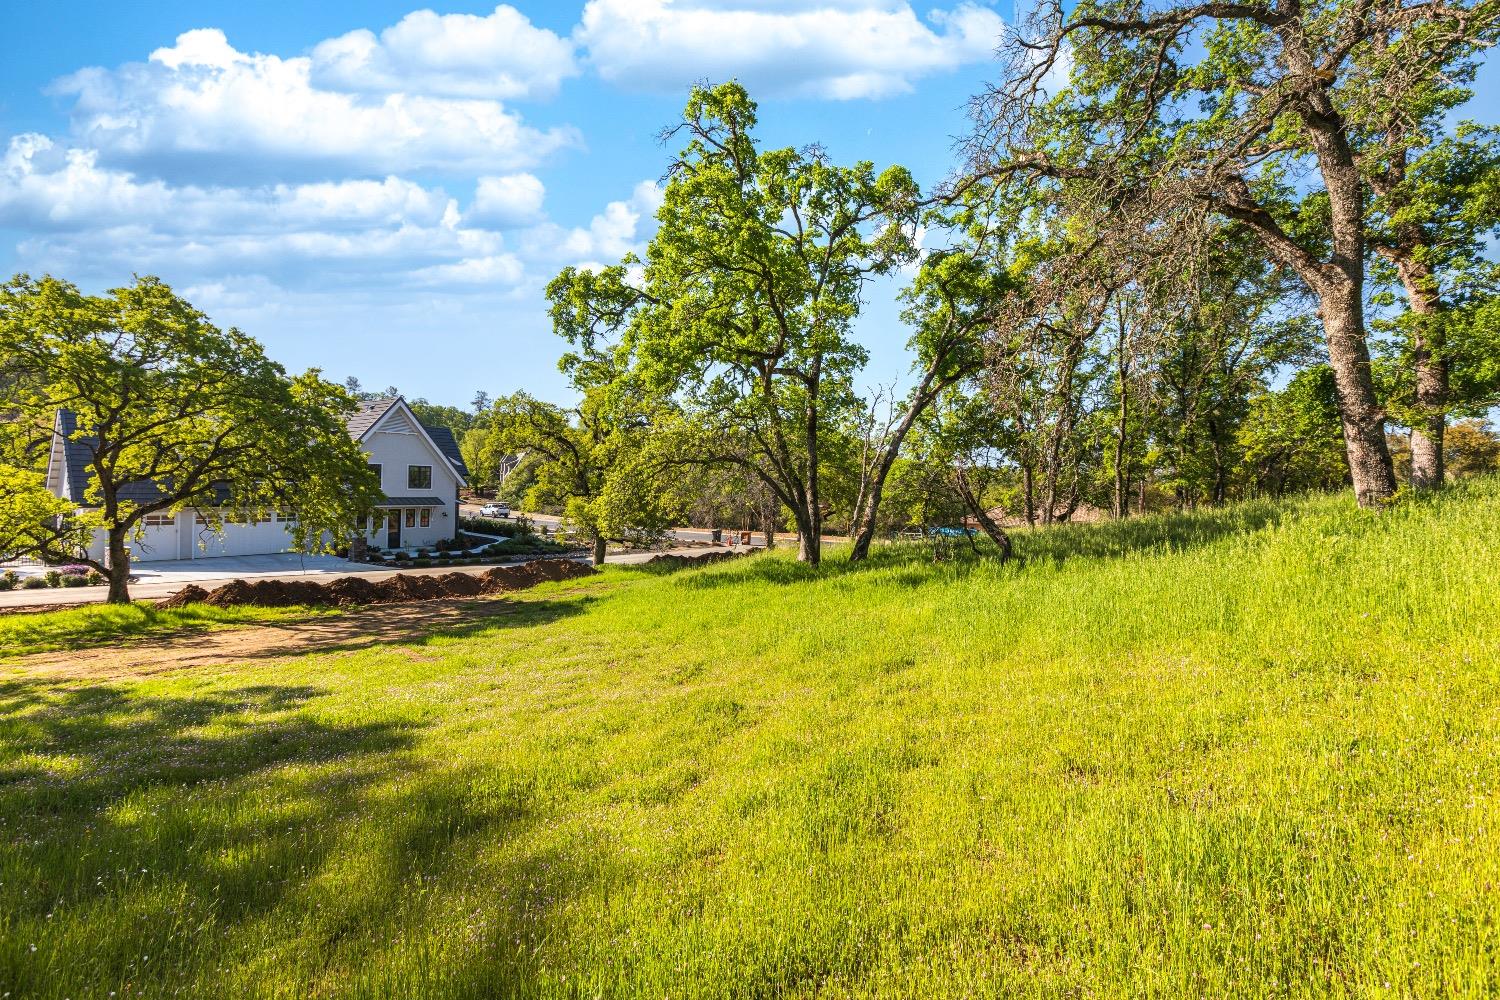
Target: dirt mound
[
  {"x": 191, "y": 594},
  {"x": 674, "y": 561},
  {"x": 351, "y": 590}
]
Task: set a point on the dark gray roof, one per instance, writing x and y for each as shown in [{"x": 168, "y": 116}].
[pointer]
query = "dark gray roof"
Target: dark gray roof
[
  {"x": 78, "y": 456},
  {"x": 411, "y": 502},
  {"x": 443, "y": 438},
  {"x": 368, "y": 414}
]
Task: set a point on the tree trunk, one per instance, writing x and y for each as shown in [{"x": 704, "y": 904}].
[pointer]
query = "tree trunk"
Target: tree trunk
[
  {"x": 976, "y": 508},
  {"x": 1359, "y": 410},
  {"x": 1122, "y": 474},
  {"x": 1122, "y": 478},
  {"x": 1431, "y": 370},
  {"x": 1221, "y": 472},
  {"x": 810, "y": 519},
  {"x": 599, "y": 550},
  {"x": 1029, "y": 483},
  {"x": 809, "y": 549},
  {"x": 871, "y": 512},
  {"x": 119, "y": 569}
]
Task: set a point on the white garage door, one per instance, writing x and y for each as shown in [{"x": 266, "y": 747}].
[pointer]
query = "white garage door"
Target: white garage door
[
  {"x": 241, "y": 540},
  {"x": 158, "y": 542}
]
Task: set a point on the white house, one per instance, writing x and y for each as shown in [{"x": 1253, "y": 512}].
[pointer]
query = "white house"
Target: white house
[{"x": 420, "y": 469}]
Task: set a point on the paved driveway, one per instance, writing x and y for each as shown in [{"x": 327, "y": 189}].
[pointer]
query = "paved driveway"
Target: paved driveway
[{"x": 283, "y": 564}]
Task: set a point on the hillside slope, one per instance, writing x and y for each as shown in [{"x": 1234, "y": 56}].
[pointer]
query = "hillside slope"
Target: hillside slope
[{"x": 1248, "y": 752}]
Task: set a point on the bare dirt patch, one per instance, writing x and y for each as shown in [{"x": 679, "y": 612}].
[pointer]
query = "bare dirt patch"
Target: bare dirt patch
[{"x": 240, "y": 643}]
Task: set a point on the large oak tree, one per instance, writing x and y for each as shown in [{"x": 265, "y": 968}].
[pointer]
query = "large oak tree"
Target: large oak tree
[
  {"x": 1262, "y": 112},
  {"x": 174, "y": 414}
]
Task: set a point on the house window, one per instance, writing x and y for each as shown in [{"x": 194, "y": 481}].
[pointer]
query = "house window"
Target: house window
[
  {"x": 426, "y": 517},
  {"x": 411, "y": 517},
  {"x": 419, "y": 477},
  {"x": 375, "y": 468},
  {"x": 159, "y": 520},
  {"x": 287, "y": 517}
]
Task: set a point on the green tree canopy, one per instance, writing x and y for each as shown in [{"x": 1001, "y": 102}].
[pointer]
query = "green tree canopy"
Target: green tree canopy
[
  {"x": 175, "y": 414},
  {"x": 742, "y": 310}
]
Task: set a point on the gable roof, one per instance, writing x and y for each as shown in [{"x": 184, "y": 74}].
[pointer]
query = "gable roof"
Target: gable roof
[
  {"x": 372, "y": 412},
  {"x": 368, "y": 414},
  {"x": 448, "y": 445}
]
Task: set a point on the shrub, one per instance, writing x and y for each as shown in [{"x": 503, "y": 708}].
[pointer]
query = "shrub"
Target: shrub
[
  {"x": 9, "y": 579},
  {"x": 74, "y": 580},
  {"x": 53, "y": 578},
  {"x": 421, "y": 563},
  {"x": 34, "y": 583},
  {"x": 96, "y": 578},
  {"x": 75, "y": 570},
  {"x": 424, "y": 553}
]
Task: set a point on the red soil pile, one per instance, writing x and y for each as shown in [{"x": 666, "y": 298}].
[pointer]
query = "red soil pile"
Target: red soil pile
[
  {"x": 679, "y": 562},
  {"x": 351, "y": 590}
]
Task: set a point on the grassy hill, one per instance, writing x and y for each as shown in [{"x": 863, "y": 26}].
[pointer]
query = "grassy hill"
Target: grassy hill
[{"x": 1247, "y": 752}]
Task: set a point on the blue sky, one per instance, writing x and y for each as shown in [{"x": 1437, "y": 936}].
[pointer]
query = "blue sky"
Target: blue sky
[{"x": 383, "y": 190}]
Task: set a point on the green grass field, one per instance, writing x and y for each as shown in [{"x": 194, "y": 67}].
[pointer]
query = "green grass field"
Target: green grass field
[{"x": 1251, "y": 752}]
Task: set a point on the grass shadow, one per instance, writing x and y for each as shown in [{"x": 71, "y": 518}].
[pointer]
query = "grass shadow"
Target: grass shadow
[{"x": 166, "y": 841}]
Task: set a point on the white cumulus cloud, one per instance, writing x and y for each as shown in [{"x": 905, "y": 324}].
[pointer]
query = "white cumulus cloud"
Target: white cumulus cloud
[
  {"x": 84, "y": 218},
  {"x": 840, "y": 50},
  {"x": 506, "y": 202},
  {"x": 623, "y": 227},
  {"x": 499, "y": 55},
  {"x": 203, "y": 104}
]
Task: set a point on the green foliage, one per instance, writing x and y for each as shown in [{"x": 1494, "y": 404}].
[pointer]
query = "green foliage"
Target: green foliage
[
  {"x": 179, "y": 408},
  {"x": 1292, "y": 438},
  {"x": 28, "y": 509},
  {"x": 741, "y": 312},
  {"x": 1194, "y": 754},
  {"x": 590, "y": 461}
]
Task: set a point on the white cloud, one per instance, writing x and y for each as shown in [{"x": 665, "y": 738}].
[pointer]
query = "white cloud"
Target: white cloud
[
  {"x": 623, "y": 227},
  {"x": 506, "y": 202},
  {"x": 841, "y": 50},
  {"x": 202, "y": 102},
  {"x": 46, "y": 187},
  {"x": 501, "y": 55},
  {"x": 493, "y": 270},
  {"x": 85, "y": 218}
]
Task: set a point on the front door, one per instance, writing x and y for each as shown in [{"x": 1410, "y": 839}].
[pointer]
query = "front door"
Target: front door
[{"x": 393, "y": 530}]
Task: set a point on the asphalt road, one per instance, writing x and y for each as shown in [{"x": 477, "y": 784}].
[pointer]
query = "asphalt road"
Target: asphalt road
[{"x": 757, "y": 540}]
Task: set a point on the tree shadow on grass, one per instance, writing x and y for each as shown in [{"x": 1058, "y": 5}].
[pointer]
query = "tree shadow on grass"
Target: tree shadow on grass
[{"x": 171, "y": 842}]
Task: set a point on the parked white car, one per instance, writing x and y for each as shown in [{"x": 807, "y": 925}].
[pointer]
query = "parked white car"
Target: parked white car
[{"x": 501, "y": 509}]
